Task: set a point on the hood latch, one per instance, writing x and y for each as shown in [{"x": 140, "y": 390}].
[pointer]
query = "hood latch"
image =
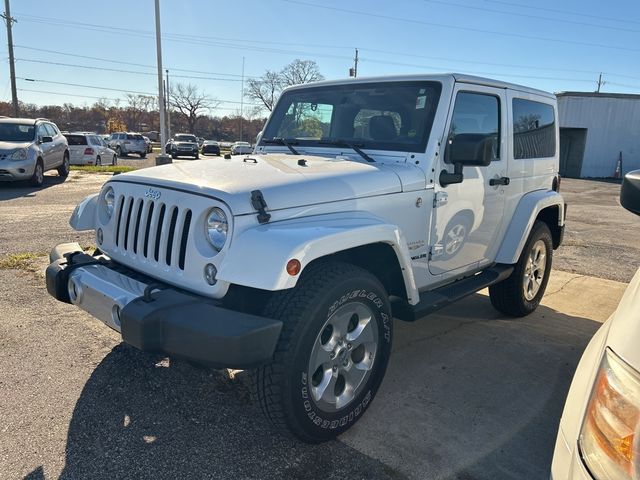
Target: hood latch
[{"x": 258, "y": 202}]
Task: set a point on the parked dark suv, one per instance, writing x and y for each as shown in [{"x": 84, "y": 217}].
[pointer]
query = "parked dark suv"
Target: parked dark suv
[
  {"x": 183, "y": 144},
  {"x": 30, "y": 147}
]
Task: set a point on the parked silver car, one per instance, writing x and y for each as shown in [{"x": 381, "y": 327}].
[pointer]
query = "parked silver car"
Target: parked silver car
[
  {"x": 241, "y": 148},
  {"x": 90, "y": 149},
  {"x": 30, "y": 147},
  {"x": 125, "y": 143}
]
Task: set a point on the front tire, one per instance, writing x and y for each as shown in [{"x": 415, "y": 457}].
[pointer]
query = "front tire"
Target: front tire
[
  {"x": 520, "y": 294},
  {"x": 332, "y": 353},
  {"x": 114, "y": 161},
  {"x": 37, "y": 179},
  {"x": 63, "y": 170},
  {"x": 143, "y": 155}
]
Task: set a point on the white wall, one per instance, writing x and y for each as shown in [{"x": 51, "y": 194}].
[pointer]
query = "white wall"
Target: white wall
[{"x": 613, "y": 125}]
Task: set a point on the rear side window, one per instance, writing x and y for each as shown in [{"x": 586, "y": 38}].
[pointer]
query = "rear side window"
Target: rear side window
[
  {"x": 53, "y": 128},
  {"x": 534, "y": 132},
  {"x": 76, "y": 139},
  {"x": 51, "y": 132}
]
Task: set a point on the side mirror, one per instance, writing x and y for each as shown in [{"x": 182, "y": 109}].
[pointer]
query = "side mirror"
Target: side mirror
[
  {"x": 630, "y": 192},
  {"x": 46, "y": 139},
  {"x": 470, "y": 149},
  {"x": 467, "y": 150}
]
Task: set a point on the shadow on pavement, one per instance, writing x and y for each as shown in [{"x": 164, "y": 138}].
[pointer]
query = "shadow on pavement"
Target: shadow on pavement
[
  {"x": 471, "y": 394},
  {"x": 11, "y": 190},
  {"x": 142, "y": 416}
]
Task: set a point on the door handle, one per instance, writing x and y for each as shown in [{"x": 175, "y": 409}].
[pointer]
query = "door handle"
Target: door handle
[{"x": 499, "y": 181}]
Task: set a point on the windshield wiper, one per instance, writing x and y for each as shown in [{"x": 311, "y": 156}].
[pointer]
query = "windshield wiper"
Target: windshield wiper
[
  {"x": 283, "y": 141},
  {"x": 353, "y": 146}
]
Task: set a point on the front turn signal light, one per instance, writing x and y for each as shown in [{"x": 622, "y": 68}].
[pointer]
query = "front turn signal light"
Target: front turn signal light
[{"x": 610, "y": 435}]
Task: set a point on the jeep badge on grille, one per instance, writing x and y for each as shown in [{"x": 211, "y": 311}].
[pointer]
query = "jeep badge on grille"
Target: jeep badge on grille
[{"x": 153, "y": 194}]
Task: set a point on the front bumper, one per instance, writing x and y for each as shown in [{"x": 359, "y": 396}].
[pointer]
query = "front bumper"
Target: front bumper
[
  {"x": 11, "y": 170},
  {"x": 157, "y": 318}
]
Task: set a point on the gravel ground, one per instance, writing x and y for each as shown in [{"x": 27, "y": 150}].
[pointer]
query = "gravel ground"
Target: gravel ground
[
  {"x": 76, "y": 403},
  {"x": 601, "y": 237}
]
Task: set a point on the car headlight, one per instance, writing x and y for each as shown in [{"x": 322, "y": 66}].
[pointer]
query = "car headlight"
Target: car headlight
[
  {"x": 109, "y": 201},
  {"x": 216, "y": 228},
  {"x": 610, "y": 435},
  {"x": 20, "y": 154}
]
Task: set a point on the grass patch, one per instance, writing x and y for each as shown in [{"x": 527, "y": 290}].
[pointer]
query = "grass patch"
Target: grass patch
[
  {"x": 102, "y": 168},
  {"x": 19, "y": 261}
]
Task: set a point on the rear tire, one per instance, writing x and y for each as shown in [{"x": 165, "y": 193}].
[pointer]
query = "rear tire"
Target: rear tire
[
  {"x": 63, "y": 170},
  {"x": 98, "y": 162},
  {"x": 114, "y": 160},
  {"x": 520, "y": 294},
  {"x": 37, "y": 179},
  {"x": 143, "y": 155},
  {"x": 332, "y": 353}
]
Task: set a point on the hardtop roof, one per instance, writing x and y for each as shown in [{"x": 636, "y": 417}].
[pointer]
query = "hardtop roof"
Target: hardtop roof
[{"x": 441, "y": 77}]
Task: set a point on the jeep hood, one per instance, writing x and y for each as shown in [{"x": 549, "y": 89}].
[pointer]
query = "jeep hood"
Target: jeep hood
[{"x": 285, "y": 180}]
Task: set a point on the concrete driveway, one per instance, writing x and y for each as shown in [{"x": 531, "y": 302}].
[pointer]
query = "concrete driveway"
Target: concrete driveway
[{"x": 468, "y": 394}]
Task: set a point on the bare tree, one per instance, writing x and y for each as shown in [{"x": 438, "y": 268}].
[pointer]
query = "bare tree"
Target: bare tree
[
  {"x": 301, "y": 71},
  {"x": 267, "y": 88},
  {"x": 138, "y": 106},
  {"x": 190, "y": 102}
]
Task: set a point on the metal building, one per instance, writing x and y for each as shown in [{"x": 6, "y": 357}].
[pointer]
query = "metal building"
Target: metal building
[{"x": 596, "y": 131}]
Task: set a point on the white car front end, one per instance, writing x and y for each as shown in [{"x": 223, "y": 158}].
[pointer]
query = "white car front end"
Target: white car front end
[{"x": 599, "y": 435}]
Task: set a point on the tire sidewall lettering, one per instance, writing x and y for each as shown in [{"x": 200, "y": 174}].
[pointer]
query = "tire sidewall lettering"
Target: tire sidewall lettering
[{"x": 327, "y": 421}]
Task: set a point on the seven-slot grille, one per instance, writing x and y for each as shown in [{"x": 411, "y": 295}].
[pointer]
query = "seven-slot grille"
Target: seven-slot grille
[{"x": 152, "y": 229}]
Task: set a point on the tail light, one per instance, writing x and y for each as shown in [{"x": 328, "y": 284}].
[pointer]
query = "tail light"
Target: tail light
[{"x": 89, "y": 151}]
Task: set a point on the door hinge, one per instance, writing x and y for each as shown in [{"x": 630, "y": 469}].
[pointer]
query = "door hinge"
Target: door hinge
[
  {"x": 435, "y": 251},
  {"x": 440, "y": 198}
]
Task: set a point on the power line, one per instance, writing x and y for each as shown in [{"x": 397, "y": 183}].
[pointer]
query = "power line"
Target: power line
[
  {"x": 96, "y": 87},
  {"x": 528, "y": 15},
  {"x": 120, "y": 62},
  {"x": 458, "y": 27},
  {"x": 556, "y": 10},
  {"x": 177, "y": 38},
  {"x": 47, "y": 92},
  {"x": 118, "y": 70}
]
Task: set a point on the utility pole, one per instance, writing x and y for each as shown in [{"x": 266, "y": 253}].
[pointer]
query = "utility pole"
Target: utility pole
[
  {"x": 600, "y": 82},
  {"x": 168, "y": 107},
  {"x": 242, "y": 99},
  {"x": 163, "y": 127},
  {"x": 353, "y": 72},
  {"x": 9, "y": 20}
]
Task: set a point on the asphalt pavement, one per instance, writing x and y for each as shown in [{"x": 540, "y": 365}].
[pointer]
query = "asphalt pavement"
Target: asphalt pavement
[{"x": 469, "y": 394}]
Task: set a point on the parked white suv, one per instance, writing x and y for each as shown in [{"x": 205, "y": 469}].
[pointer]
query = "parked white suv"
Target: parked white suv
[
  {"x": 599, "y": 435},
  {"x": 90, "y": 149},
  {"x": 124, "y": 143},
  {"x": 30, "y": 147},
  {"x": 293, "y": 261}
]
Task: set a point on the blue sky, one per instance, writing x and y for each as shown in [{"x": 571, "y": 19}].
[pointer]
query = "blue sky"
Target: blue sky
[{"x": 552, "y": 45}]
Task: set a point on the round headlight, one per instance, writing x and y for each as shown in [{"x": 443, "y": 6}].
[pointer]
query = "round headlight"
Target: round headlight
[
  {"x": 216, "y": 228},
  {"x": 109, "y": 200}
]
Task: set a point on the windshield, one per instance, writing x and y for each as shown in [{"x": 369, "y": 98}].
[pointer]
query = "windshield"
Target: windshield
[
  {"x": 186, "y": 138},
  {"x": 15, "y": 132},
  {"x": 384, "y": 116}
]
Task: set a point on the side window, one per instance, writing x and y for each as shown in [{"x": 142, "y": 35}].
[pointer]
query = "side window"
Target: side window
[
  {"x": 49, "y": 129},
  {"x": 477, "y": 115},
  {"x": 54, "y": 130},
  {"x": 534, "y": 132},
  {"x": 95, "y": 141},
  {"x": 42, "y": 131}
]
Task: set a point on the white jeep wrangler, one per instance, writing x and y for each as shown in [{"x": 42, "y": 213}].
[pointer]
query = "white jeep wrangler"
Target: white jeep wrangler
[{"x": 364, "y": 200}]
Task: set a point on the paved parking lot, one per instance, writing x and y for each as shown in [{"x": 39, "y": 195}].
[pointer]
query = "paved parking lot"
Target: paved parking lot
[{"x": 466, "y": 396}]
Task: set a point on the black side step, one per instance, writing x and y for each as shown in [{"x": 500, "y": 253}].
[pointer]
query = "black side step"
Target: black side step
[{"x": 434, "y": 300}]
